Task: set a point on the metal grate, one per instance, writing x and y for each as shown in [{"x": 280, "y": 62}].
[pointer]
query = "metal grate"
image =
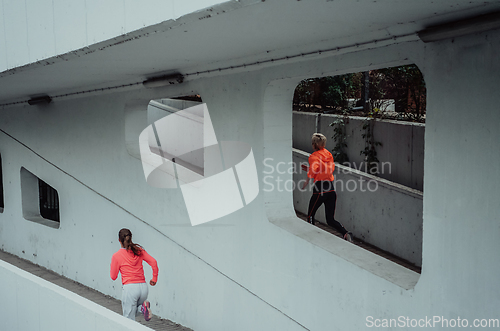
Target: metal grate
[{"x": 49, "y": 201}]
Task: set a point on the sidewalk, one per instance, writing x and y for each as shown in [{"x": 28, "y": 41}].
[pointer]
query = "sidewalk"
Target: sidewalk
[{"x": 155, "y": 323}]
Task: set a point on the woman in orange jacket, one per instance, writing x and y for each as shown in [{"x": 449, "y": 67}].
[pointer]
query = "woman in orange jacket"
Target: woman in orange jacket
[
  {"x": 321, "y": 168},
  {"x": 128, "y": 261}
]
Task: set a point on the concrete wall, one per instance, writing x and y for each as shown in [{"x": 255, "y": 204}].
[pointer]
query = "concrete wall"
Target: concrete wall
[
  {"x": 401, "y": 154},
  {"x": 261, "y": 268},
  {"x": 375, "y": 210},
  {"x": 53, "y": 31},
  {"x": 461, "y": 179},
  {"x": 457, "y": 168},
  {"x": 31, "y": 303}
]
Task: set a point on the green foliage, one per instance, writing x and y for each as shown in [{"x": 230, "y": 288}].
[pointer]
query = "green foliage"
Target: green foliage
[
  {"x": 304, "y": 93},
  {"x": 337, "y": 91},
  {"x": 330, "y": 93},
  {"x": 370, "y": 151},
  {"x": 340, "y": 137},
  {"x": 404, "y": 84}
]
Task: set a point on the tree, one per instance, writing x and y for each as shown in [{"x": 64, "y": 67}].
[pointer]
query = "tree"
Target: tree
[
  {"x": 404, "y": 84},
  {"x": 329, "y": 93}
]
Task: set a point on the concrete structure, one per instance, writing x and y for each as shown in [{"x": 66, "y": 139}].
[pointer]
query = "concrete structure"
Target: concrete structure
[
  {"x": 51, "y": 307},
  {"x": 401, "y": 154},
  {"x": 259, "y": 268}
]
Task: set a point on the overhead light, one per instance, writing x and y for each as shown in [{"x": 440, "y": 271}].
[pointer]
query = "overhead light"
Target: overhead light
[
  {"x": 163, "y": 81},
  {"x": 459, "y": 28},
  {"x": 40, "y": 100}
]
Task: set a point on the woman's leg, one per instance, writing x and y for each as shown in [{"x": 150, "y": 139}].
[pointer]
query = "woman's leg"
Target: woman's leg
[
  {"x": 130, "y": 295},
  {"x": 143, "y": 295},
  {"x": 314, "y": 203},
  {"x": 330, "y": 204}
]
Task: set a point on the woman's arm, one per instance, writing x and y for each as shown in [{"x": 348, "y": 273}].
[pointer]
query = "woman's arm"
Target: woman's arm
[
  {"x": 307, "y": 169},
  {"x": 154, "y": 265},
  {"x": 115, "y": 268},
  {"x": 306, "y": 183}
]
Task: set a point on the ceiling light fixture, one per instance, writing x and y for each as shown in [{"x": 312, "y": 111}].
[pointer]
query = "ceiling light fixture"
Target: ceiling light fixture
[{"x": 45, "y": 99}]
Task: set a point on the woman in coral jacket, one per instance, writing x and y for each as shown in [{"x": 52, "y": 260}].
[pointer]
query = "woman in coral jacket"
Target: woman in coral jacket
[
  {"x": 320, "y": 169},
  {"x": 128, "y": 261}
]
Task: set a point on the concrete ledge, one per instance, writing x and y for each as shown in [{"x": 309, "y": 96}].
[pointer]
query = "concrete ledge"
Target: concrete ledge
[
  {"x": 366, "y": 260},
  {"x": 368, "y": 177},
  {"x": 40, "y": 220},
  {"x": 31, "y": 303}
]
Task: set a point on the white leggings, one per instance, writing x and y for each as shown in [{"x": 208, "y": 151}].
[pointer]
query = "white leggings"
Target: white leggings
[{"x": 133, "y": 295}]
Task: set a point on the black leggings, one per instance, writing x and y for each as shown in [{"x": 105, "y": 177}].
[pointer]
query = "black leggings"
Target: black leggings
[{"x": 329, "y": 198}]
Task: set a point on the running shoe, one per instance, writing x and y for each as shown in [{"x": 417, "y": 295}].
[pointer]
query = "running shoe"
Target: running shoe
[
  {"x": 348, "y": 237},
  {"x": 146, "y": 310}
]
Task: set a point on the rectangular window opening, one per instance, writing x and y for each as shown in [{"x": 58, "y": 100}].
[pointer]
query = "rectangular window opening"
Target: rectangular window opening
[
  {"x": 177, "y": 134},
  {"x": 374, "y": 125},
  {"x": 40, "y": 201}
]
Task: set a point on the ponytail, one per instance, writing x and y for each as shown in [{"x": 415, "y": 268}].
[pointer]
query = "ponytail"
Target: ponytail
[{"x": 125, "y": 237}]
